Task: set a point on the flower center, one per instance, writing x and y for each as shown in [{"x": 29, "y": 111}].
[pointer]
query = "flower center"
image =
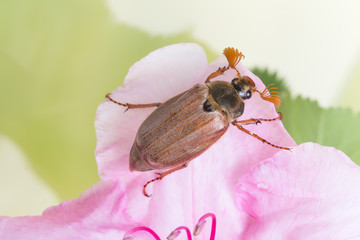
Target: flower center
[{"x": 174, "y": 234}]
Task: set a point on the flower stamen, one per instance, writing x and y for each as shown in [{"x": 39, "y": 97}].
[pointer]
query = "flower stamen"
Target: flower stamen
[
  {"x": 128, "y": 234},
  {"x": 174, "y": 234},
  {"x": 201, "y": 223}
]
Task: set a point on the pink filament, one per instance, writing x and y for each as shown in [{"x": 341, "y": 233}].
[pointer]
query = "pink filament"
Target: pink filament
[
  {"x": 174, "y": 234},
  {"x": 201, "y": 223},
  {"x": 128, "y": 234}
]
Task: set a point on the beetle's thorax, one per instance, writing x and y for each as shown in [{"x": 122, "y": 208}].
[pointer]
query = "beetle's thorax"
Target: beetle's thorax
[{"x": 224, "y": 97}]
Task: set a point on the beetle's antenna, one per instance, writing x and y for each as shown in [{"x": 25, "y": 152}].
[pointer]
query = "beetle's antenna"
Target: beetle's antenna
[
  {"x": 233, "y": 57},
  {"x": 270, "y": 94}
]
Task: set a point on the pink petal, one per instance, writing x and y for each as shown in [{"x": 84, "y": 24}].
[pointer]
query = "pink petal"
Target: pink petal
[
  {"x": 155, "y": 78},
  {"x": 207, "y": 184},
  {"x": 309, "y": 193},
  {"x": 97, "y": 214}
]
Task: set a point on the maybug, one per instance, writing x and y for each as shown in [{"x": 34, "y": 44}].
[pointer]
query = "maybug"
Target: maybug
[{"x": 187, "y": 124}]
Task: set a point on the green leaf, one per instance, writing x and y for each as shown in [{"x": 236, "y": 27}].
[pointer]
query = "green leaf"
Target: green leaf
[{"x": 306, "y": 121}]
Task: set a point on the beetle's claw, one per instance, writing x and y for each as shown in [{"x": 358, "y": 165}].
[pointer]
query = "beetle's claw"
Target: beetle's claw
[
  {"x": 153, "y": 180},
  {"x": 144, "y": 191},
  {"x": 127, "y": 105}
]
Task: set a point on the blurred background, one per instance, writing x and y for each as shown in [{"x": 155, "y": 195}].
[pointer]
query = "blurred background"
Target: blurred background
[{"x": 59, "y": 58}]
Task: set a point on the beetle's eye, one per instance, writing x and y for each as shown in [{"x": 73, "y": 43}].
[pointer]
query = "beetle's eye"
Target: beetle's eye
[
  {"x": 248, "y": 94},
  {"x": 243, "y": 86},
  {"x": 245, "y": 95},
  {"x": 242, "y": 94}
]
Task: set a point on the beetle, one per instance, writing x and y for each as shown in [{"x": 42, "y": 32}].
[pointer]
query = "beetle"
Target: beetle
[{"x": 187, "y": 124}]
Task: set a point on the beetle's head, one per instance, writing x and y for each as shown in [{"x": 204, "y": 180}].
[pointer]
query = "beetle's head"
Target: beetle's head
[{"x": 244, "y": 86}]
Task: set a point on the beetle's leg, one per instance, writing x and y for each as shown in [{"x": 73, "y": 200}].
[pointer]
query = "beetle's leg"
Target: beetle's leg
[
  {"x": 162, "y": 175},
  {"x": 257, "y": 120},
  {"x": 129, "y": 105},
  {"x": 258, "y": 137},
  {"x": 216, "y": 73}
]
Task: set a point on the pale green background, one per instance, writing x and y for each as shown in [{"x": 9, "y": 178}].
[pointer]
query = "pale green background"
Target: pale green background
[{"x": 58, "y": 59}]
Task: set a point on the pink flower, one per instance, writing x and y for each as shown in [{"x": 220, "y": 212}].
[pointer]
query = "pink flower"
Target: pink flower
[
  {"x": 309, "y": 193},
  {"x": 231, "y": 180},
  {"x": 207, "y": 184}
]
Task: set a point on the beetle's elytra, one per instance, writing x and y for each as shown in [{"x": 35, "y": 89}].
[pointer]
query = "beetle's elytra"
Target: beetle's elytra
[
  {"x": 168, "y": 136},
  {"x": 184, "y": 126}
]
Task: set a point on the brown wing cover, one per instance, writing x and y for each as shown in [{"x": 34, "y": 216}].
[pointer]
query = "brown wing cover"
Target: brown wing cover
[{"x": 177, "y": 131}]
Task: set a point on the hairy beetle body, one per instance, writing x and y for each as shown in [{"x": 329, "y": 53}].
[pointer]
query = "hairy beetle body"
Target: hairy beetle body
[{"x": 177, "y": 131}]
